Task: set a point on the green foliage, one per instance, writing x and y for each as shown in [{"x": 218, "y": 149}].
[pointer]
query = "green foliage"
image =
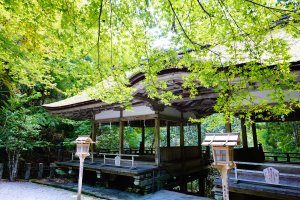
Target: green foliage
[
  {"x": 20, "y": 128},
  {"x": 132, "y": 137},
  {"x": 215, "y": 123},
  {"x": 109, "y": 137},
  {"x": 97, "y": 43},
  {"x": 279, "y": 136}
]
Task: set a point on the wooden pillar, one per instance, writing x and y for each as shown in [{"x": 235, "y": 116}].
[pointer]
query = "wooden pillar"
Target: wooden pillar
[
  {"x": 254, "y": 135},
  {"x": 244, "y": 133},
  {"x": 201, "y": 185},
  {"x": 183, "y": 184},
  {"x": 168, "y": 135},
  {"x": 199, "y": 139},
  {"x": 142, "y": 147},
  {"x": 181, "y": 131},
  {"x": 93, "y": 136},
  {"x": 121, "y": 134},
  {"x": 157, "y": 141}
]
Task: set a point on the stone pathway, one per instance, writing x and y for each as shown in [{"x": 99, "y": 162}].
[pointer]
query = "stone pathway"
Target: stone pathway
[
  {"x": 113, "y": 194},
  {"x": 33, "y": 191}
]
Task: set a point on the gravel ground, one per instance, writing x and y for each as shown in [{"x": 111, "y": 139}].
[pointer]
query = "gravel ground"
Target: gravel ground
[{"x": 32, "y": 191}]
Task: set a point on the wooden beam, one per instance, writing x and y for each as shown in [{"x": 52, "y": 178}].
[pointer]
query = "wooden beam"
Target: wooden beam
[
  {"x": 121, "y": 134},
  {"x": 93, "y": 134},
  {"x": 181, "y": 131},
  {"x": 199, "y": 138},
  {"x": 254, "y": 135},
  {"x": 142, "y": 147},
  {"x": 157, "y": 141},
  {"x": 168, "y": 135},
  {"x": 244, "y": 133}
]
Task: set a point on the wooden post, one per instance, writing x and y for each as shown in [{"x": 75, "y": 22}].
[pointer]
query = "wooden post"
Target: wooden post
[
  {"x": 244, "y": 133},
  {"x": 183, "y": 184},
  {"x": 224, "y": 176},
  {"x": 142, "y": 147},
  {"x": 80, "y": 178},
  {"x": 121, "y": 133},
  {"x": 1, "y": 171},
  {"x": 93, "y": 137},
  {"x": 207, "y": 152},
  {"x": 181, "y": 131},
  {"x": 199, "y": 139},
  {"x": 27, "y": 171},
  {"x": 40, "y": 170},
  {"x": 157, "y": 141},
  {"x": 254, "y": 135},
  {"x": 168, "y": 135},
  {"x": 201, "y": 185},
  {"x": 52, "y": 170}
]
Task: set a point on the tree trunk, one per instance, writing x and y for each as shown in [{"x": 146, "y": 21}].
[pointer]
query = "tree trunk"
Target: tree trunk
[{"x": 13, "y": 162}]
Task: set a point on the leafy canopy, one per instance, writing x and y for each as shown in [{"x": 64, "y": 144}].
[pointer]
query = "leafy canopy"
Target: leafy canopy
[{"x": 69, "y": 45}]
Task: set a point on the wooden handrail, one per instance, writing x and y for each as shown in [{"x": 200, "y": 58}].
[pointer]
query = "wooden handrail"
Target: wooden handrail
[
  {"x": 295, "y": 175},
  {"x": 124, "y": 155}
]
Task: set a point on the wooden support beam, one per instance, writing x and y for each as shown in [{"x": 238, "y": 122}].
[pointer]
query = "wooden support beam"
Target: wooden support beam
[
  {"x": 199, "y": 138},
  {"x": 142, "y": 145},
  {"x": 168, "y": 135},
  {"x": 121, "y": 134},
  {"x": 201, "y": 184},
  {"x": 157, "y": 141},
  {"x": 244, "y": 133},
  {"x": 93, "y": 135},
  {"x": 181, "y": 131},
  {"x": 254, "y": 135}
]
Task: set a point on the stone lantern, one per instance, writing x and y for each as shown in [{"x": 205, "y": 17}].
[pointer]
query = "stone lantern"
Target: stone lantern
[
  {"x": 222, "y": 148},
  {"x": 82, "y": 151}
]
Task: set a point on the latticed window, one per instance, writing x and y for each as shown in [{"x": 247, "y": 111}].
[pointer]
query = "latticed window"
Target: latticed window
[{"x": 220, "y": 155}]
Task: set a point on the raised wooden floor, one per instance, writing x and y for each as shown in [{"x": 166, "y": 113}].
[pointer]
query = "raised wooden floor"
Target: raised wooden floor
[{"x": 125, "y": 170}]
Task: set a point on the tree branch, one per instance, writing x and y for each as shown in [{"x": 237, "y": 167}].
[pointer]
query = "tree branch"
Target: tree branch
[
  {"x": 99, "y": 29},
  {"x": 207, "y": 46},
  {"x": 204, "y": 10},
  {"x": 268, "y": 7},
  {"x": 111, "y": 35}
]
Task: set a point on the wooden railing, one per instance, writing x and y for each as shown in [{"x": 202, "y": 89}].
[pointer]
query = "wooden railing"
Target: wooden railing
[
  {"x": 282, "y": 157},
  {"x": 288, "y": 178},
  {"x": 131, "y": 151},
  {"x": 117, "y": 161}
]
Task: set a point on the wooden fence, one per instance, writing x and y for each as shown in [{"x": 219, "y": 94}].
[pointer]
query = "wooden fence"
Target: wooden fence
[{"x": 282, "y": 157}]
